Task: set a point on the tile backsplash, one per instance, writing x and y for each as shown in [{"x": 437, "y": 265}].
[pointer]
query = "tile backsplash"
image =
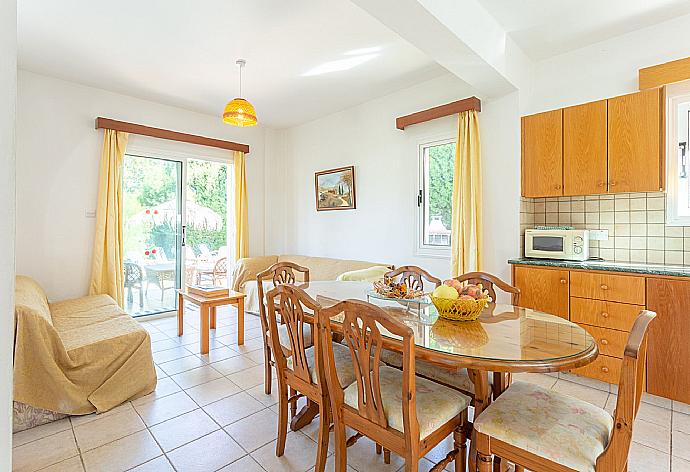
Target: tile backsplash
[{"x": 635, "y": 222}]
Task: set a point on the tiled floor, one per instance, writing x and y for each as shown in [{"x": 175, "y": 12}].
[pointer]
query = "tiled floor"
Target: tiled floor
[{"x": 209, "y": 413}]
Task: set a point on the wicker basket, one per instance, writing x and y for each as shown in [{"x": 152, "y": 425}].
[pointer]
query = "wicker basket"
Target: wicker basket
[{"x": 459, "y": 310}]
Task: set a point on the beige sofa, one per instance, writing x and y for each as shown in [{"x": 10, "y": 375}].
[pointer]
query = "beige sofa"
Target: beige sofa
[
  {"x": 320, "y": 268},
  {"x": 75, "y": 356}
]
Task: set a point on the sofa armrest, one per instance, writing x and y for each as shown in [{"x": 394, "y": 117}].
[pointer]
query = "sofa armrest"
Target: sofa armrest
[{"x": 247, "y": 268}]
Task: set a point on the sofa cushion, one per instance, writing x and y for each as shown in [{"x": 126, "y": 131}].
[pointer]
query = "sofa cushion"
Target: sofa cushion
[
  {"x": 29, "y": 297},
  {"x": 370, "y": 274},
  {"x": 325, "y": 268}
]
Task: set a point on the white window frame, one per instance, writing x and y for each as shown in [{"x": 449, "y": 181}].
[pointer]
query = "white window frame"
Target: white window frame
[
  {"x": 421, "y": 249},
  {"x": 675, "y": 94}
]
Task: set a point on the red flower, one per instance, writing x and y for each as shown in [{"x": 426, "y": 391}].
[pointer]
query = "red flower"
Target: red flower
[
  {"x": 153, "y": 251},
  {"x": 155, "y": 212},
  {"x": 148, "y": 212},
  {"x": 146, "y": 253}
]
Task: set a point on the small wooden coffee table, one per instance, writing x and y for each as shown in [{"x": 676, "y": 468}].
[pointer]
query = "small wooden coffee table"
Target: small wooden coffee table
[{"x": 207, "y": 311}]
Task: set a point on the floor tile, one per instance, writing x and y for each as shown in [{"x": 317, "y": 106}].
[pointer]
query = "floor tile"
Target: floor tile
[
  {"x": 206, "y": 454},
  {"x": 82, "y": 419},
  {"x": 681, "y": 422},
  {"x": 70, "y": 465},
  {"x": 233, "y": 364},
  {"x": 611, "y": 404},
  {"x": 257, "y": 356},
  {"x": 194, "y": 377},
  {"x": 183, "y": 429},
  {"x": 40, "y": 432},
  {"x": 212, "y": 391},
  {"x": 233, "y": 408},
  {"x": 330, "y": 466},
  {"x": 257, "y": 392},
  {"x": 654, "y": 414},
  {"x": 122, "y": 454},
  {"x": 679, "y": 465},
  {"x": 248, "y": 346},
  {"x": 652, "y": 435},
  {"x": 542, "y": 380},
  {"x": 219, "y": 354},
  {"x": 362, "y": 456},
  {"x": 681, "y": 445},
  {"x": 658, "y": 401},
  {"x": 681, "y": 407},
  {"x": 646, "y": 459},
  {"x": 245, "y": 464},
  {"x": 590, "y": 395},
  {"x": 166, "y": 408},
  {"x": 164, "y": 344},
  {"x": 181, "y": 365},
  {"x": 107, "y": 429},
  {"x": 164, "y": 387},
  {"x": 300, "y": 454},
  {"x": 44, "y": 452},
  {"x": 159, "y": 464},
  {"x": 255, "y": 430},
  {"x": 248, "y": 378},
  {"x": 586, "y": 381},
  {"x": 171, "y": 354}
]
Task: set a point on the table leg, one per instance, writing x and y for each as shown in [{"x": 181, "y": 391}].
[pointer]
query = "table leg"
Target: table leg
[
  {"x": 180, "y": 315},
  {"x": 480, "y": 379},
  {"x": 204, "y": 313},
  {"x": 240, "y": 321},
  {"x": 213, "y": 317}
]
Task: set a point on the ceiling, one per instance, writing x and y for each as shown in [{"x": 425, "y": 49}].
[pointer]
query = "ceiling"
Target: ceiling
[
  {"x": 545, "y": 28},
  {"x": 305, "y": 58}
]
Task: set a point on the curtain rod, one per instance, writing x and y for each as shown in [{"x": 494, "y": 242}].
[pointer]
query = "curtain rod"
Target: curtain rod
[
  {"x": 133, "y": 128},
  {"x": 466, "y": 104}
]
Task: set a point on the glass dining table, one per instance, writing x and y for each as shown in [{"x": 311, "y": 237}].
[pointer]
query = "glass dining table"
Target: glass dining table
[{"x": 505, "y": 338}]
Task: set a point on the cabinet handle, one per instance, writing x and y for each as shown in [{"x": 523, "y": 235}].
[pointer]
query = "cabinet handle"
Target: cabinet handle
[
  {"x": 600, "y": 184},
  {"x": 604, "y": 287},
  {"x": 605, "y": 369},
  {"x": 604, "y": 342},
  {"x": 563, "y": 281},
  {"x": 558, "y": 187},
  {"x": 605, "y": 315},
  {"x": 612, "y": 183}
]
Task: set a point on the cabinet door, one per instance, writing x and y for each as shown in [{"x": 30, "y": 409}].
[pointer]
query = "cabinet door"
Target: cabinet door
[
  {"x": 634, "y": 137},
  {"x": 542, "y": 154},
  {"x": 668, "y": 352},
  {"x": 543, "y": 289},
  {"x": 584, "y": 149}
]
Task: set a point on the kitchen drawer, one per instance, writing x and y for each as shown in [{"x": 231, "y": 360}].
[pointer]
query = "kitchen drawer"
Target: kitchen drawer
[
  {"x": 604, "y": 368},
  {"x": 605, "y": 314},
  {"x": 614, "y": 288},
  {"x": 610, "y": 341}
]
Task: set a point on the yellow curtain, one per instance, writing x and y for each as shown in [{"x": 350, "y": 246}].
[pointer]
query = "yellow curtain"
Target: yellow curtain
[
  {"x": 106, "y": 269},
  {"x": 466, "y": 231},
  {"x": 241, "y": 226}
]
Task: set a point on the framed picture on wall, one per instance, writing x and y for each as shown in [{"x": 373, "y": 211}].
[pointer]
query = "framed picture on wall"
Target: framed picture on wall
[{"x": 335, "y": 189}]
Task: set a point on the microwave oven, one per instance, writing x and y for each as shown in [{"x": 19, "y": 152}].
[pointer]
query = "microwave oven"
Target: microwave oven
[{"x": 566, "y": 244}]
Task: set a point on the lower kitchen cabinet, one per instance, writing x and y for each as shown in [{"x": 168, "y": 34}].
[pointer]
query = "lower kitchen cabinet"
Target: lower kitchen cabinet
[
  {"x": 543, "y": 289},
  {"x": 668, "y": 349}
]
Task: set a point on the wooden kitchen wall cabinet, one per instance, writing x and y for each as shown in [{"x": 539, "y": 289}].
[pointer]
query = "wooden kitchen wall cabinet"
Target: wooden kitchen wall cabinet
[
  {"x": 541, "y": 289},
  {"x": 635, "y": 157},
  {"x": 668, "y": 353},
  {"x": 542, "y": 154},
  {"x": 585, "y": 149}
]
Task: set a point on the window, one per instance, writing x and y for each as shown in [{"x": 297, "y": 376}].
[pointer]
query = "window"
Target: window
[
  {"x": 678, "y": 151},
  {"x": 436, "y": 168}
]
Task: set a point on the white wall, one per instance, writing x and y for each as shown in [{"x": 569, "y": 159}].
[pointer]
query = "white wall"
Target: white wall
[
  {"x": 8, "y": 89},
  {"x": 382, "y": 228},
  {"x": 58, "y": 158}
]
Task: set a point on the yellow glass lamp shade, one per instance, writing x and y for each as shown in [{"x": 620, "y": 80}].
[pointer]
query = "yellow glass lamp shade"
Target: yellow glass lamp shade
[{"x": 239, "y": 112}]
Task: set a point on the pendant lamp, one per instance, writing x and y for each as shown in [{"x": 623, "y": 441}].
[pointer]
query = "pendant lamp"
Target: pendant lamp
[{"x": 239, "y": 112}]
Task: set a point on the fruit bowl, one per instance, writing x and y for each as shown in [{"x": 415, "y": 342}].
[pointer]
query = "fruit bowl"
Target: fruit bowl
[{"x": 459, "y": 309}]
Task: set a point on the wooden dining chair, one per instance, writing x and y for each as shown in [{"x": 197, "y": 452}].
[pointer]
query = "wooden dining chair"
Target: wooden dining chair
[
  {"x": 543, "y": 430},
  {"x": 299, "y": 367},
  {"x": 459, "y": 379},
  {"x": 279, "y": 273},
  {"x": 399, "y": 411},
  {"x": 412, "y": 276}
]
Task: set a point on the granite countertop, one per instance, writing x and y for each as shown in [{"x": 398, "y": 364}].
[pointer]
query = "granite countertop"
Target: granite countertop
[{"x": 631, "y": 267}]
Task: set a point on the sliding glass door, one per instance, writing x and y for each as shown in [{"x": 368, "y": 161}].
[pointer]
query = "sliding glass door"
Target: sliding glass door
[
  {"x": 152, "y": 233},
  {"x": 175, "y": 229}
]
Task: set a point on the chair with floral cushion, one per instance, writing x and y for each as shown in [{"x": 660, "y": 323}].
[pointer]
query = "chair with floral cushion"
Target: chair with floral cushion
[
  {"x": 543, "y": 430},
  {"x": 405, "y": 414},
  {"x": 299, "y": 367}
]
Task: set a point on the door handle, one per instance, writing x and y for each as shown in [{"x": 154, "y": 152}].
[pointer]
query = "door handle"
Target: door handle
[{"x": 184, "y": 234}]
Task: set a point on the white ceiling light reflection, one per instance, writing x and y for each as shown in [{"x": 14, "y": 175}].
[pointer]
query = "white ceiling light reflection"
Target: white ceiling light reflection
[{"x": 356, "y": 58}]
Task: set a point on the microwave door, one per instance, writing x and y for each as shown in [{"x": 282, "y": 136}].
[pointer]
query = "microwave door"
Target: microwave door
[{"x": 548, "y": 244}]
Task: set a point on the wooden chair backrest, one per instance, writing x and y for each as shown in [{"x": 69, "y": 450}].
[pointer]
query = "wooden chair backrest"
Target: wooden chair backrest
[
  {"x": 361, "y": 328},
  {"x": 279, "y": 273},
  {"x": 630, "y": 388},
  {"x": 489, "y": 282},
  {"x": 297, "y": 309},
  {"x": 412, "y": 276}
]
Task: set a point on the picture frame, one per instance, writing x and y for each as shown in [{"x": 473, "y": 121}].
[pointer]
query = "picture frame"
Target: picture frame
[{"x": 335, "y": 189}]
